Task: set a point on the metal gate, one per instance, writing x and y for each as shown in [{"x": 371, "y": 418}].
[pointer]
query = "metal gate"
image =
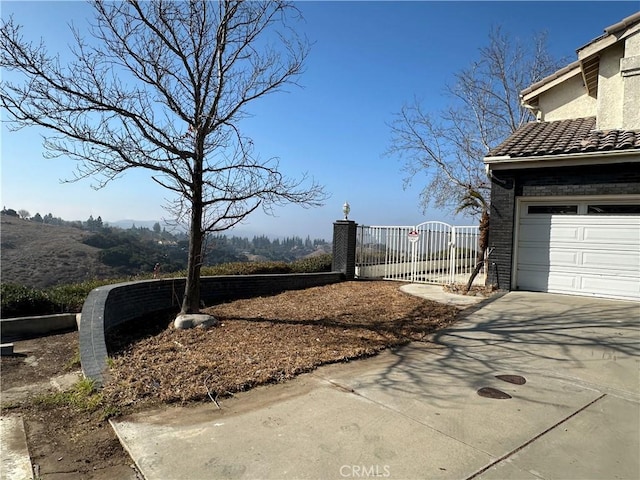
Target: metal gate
[{"x": 432, "y": 252}]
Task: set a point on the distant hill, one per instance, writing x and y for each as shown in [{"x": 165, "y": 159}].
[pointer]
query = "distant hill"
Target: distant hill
[
  {"x": 126, "y": 224},
  {"x": 40, "y": 255},
  {"x": 43, "y": 255}
]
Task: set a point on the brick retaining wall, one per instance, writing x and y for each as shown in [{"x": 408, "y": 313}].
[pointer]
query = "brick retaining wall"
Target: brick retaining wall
[{"x": 111, "y": 305}]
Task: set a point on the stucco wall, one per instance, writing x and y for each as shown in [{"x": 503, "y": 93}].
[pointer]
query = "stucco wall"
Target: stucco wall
[
  {"x": 610, "y": 89},
  {"x": 567, "y": 100},
  {"x": 630, "y": 67},
  {"x": 616, "y": 105}
]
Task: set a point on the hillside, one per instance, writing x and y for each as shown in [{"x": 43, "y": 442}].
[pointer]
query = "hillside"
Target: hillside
[{"x": 40, "y": 255}]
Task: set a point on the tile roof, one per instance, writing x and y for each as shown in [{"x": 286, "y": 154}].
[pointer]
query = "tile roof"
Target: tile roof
[{"x": 565, "y": 137}]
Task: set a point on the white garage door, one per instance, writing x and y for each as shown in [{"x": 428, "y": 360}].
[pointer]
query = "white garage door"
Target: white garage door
[{"x": 581, "y": 248}]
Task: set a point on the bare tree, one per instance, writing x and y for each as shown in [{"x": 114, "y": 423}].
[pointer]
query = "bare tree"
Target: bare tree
[
  {"x": 446, "y": 149},
  {"x": 163, "y": 86},
  {"x": 24, "y": 214}
]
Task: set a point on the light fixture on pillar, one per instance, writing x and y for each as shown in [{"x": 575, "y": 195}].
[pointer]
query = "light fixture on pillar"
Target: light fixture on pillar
[{"x": 346, "y": 209}]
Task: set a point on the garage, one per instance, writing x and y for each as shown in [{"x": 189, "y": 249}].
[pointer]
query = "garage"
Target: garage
[
  {"x": 579, "y": 247},
  {"x": 565, "y": 187}
]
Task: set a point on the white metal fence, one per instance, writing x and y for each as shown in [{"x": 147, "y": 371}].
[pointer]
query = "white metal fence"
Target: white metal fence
[{"x": 432, "y": 252}]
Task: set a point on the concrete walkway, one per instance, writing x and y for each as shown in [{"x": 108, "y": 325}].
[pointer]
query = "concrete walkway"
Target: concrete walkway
[
  {"x": 15, "y": 463},
  {"x": 414, "y": 413}
]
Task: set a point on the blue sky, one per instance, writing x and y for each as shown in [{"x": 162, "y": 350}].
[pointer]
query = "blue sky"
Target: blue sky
[{"x": 368, "y": 59}]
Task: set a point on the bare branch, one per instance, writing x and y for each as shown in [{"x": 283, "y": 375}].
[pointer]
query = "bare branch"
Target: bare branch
[
  {"x": 445, "y": 150},
  {"x": 162, "y": 86}
]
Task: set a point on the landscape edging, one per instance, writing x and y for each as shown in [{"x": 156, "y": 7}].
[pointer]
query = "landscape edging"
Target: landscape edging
[
  {"x": 112, "y": 305},
  {"x": 35, "y": 326}
]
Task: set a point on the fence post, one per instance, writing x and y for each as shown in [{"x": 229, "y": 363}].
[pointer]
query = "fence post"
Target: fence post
[
  {"x": 453, "y": 255},
  {"x": 344, "y": 248}
]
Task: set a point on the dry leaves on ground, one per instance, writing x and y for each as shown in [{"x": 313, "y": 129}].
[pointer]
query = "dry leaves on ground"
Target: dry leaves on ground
[{"x": 270, "y": 339}]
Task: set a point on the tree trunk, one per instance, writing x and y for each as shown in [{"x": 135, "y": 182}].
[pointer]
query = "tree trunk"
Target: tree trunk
[
  {"x": 191, "y": 299},
  {"x": 483, "y": 242},
  {"x": 474, "y": 274}
]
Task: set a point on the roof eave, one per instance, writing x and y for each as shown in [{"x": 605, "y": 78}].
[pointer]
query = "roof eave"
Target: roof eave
[
  {"x": 506, "y": 162},
  {"x": 628, "y": 26},
  {"x": 613, "y": 34},
  {"x": 552, "y": 80}
]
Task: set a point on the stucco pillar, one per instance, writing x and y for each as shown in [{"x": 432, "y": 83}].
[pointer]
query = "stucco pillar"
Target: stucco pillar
[
  {"x": 630, "y": 70},
  {"x": 344, "y": 248}
]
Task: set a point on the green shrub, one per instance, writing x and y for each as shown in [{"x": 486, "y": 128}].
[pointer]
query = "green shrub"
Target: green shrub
[
  {"x": 70, "y": 298},
  {"x": 321, "y": 263},
  {"x": 19, "y": 301},
  {"x": 245, "y": 268}
]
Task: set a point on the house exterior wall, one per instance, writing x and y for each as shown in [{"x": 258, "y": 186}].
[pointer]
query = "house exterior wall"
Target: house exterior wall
[
  {"x": 502, "y": 218},
  {"x": 610, "y": 89},
  {"x": 565, "y": 97},
  {"x": 630, "y": 68},
  {"x": 618, "y": 91},
  {"x": 567, "y": 100},
  {"x": 509, "y": 185}
]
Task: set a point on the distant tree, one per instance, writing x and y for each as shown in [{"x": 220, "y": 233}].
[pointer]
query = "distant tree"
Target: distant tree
[
  {"x": 90, "y": 223},
  {"x": 98, "y": 223},
  {"x": 163, "y": 86},
  {"x": 10, "y": 212},
  {"x": 37, "y": 218},
  {"x": 156, "y": 228},
  {"x": 446, "y": 149},
  {"x": 24, "y": 214}
]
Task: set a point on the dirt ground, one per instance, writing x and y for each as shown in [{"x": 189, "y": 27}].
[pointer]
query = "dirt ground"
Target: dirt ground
[
  {"x": 257, "y": 341},
  {"x": 64, "y": 442}
]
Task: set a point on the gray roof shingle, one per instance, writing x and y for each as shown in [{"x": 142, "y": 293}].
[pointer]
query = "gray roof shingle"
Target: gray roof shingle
[{"x": 564, "y": 137}]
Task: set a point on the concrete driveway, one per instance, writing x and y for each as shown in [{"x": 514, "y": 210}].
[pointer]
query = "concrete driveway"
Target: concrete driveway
[{"x": 414, "y": 413}]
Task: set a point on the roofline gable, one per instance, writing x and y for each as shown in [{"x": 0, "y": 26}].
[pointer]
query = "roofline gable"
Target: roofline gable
[
  {"x": 588, "y": 60},
  {"x": 552, "y": 80},
  {"x": 628, "y": 26}
]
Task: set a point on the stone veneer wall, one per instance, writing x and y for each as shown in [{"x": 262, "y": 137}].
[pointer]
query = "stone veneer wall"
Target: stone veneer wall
[{"x": 112, "y": 305}]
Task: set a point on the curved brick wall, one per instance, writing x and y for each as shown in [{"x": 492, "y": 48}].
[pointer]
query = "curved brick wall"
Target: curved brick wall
[{"x": 111, "y": 305}]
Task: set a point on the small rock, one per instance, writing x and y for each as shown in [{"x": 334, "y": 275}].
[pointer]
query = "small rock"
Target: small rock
[{"x": 191, "y": 320}]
